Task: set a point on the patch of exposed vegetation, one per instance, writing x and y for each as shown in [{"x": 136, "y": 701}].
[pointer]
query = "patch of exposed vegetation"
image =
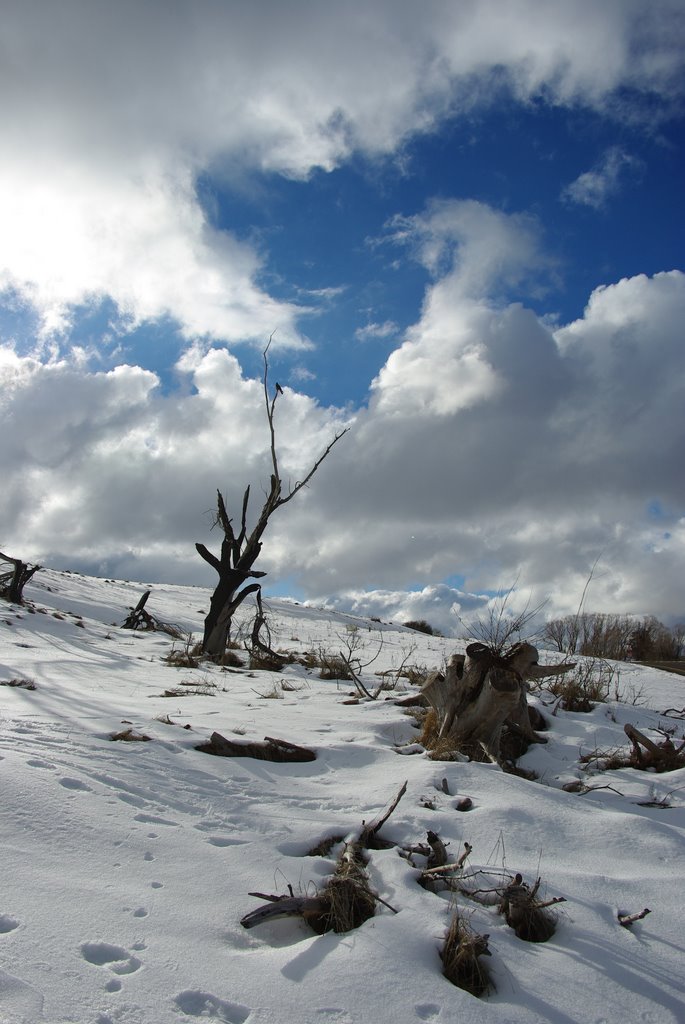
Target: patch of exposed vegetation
[
  {"x": 22, "y": 684},
  {"x": 460, "y": 955}
]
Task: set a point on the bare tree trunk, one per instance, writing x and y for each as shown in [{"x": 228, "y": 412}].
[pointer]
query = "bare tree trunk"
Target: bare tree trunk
[
  {"x": 239, "y": 551},
  {"x": 13, "y": 581}
]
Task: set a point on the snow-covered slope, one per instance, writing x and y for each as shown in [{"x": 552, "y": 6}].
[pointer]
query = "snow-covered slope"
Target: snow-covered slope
[{"x": 126, "y": 867}]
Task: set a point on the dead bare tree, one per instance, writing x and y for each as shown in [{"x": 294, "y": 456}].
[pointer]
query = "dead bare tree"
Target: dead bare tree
[
  {"x": 239, "y": 551},
  {"x": 13, "y": 580}
]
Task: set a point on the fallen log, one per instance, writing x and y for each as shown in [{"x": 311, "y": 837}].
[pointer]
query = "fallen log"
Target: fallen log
[
  {"x": 284, "y": 906},
  {"x": 270, "y": 749},
  {"x": 628, "y": 920},
  {"x": 664, "y": 757}
]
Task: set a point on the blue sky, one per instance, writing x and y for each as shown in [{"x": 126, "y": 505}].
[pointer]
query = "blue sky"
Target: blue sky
[{"x": 463, "y": 223}]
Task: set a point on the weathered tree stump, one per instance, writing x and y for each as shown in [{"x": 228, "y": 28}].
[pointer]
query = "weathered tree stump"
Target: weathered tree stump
[
  {"x": 138, "y": 618},
  {"x": 482, "y": 696},
  {"x": 13, "y": 581},
  {"x": 530, "y": 917}
]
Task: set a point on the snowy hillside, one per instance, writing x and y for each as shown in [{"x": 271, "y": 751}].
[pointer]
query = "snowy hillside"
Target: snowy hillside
[{"x": 127, "y": 866}]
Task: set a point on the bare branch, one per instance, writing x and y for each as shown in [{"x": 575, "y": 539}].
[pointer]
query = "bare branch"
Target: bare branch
[
  {"x": 243, "y": 527},
  {"x": 270, "y": 406},
  {"x": 629, "y": 919},
  {"x": 208, "y": 557},
  {"x": 357, "y": 681},
  {"x": 303, "y": 483}
]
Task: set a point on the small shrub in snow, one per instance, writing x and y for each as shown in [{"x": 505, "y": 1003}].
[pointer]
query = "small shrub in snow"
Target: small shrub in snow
[
  {"x": 22, "y": 684},
  {"x": 187, "y": 656},
  {"x": 461, "y": 955},
  {"x": 131, "y": 736},
  {"x": 231, "y": 660},
  {"x": 275, "y": 693},
  {"x": 333, "y": 666},
  {"x": 589, "y": 684},
  {"x": 421, "y": 626}
]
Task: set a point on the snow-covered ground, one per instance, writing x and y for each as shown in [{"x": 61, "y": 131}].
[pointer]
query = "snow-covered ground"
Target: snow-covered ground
[{"x": 126, "y": 867}]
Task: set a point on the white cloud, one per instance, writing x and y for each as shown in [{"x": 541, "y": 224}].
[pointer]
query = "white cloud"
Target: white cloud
[
  {"x": 445, "y": 608},
  {"x": 375, "y": 330},
  {"x": 74, "y": 237},
  {"x": 533, "y": 481},
  {"x": 596, "y": 187},
  {"x": 300, "y": 374},
  {"x": 111, "y": 111},
  {"x": 445, "y": 365},
  {"x": 477, "y": 249}
]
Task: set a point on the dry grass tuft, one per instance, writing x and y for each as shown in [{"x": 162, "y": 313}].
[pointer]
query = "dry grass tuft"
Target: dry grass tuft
[
  {"x": 430, "y": 727},
  {"x": 589, "y": 684},
  {"x": 332, "y": 666},
  {"x": 324, "y": 846},
  {"x": 231, "y": 660},
  {"x": 192, "y": 688},
  {"x": 461, "y": 957},
  {"x": 188, "y": 656},
  {"x": 131, "y": 736},
  {"x": 269, "y": 661},
  {"x": 349, "y": 900}
]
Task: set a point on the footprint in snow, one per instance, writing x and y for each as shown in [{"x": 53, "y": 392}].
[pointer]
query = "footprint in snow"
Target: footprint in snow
[
  {"x": 195, "y": 1003},
  {"x": 426, "y": 1011},
  {"x": 151, "y": 819},
  {"x": 7, "y": 924},
  {"x": 225, "y": 841},
  {"x": 116, "y": 958},
  {"x": 20, "y": 1001},
  {"x": 37, "y": 762},
  {"x": 76, "y": 784}
]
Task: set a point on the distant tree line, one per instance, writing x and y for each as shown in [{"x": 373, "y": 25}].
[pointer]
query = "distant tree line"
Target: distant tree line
[{"x": 622, "y": 637}]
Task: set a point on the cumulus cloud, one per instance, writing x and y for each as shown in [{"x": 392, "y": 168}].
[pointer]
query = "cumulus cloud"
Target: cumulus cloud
[
  {"x": 538, "y": 477},
  {"x": 105, "y": 471},
  {"x": 75, "y": 237},
  {"x": 374, "y": 330},
  {"x": 445, "y": 608},
  {"x": 104, "y": 468},
  {"x": 445, "y": 364},
  {"x": 596, "y": 187},
  {"x": 112, "y": 112}
]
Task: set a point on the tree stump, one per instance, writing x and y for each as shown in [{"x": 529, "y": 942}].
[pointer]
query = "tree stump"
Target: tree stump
[
  {"x": 482, "y": 696},
  {"x": 13, "y": 581}
]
